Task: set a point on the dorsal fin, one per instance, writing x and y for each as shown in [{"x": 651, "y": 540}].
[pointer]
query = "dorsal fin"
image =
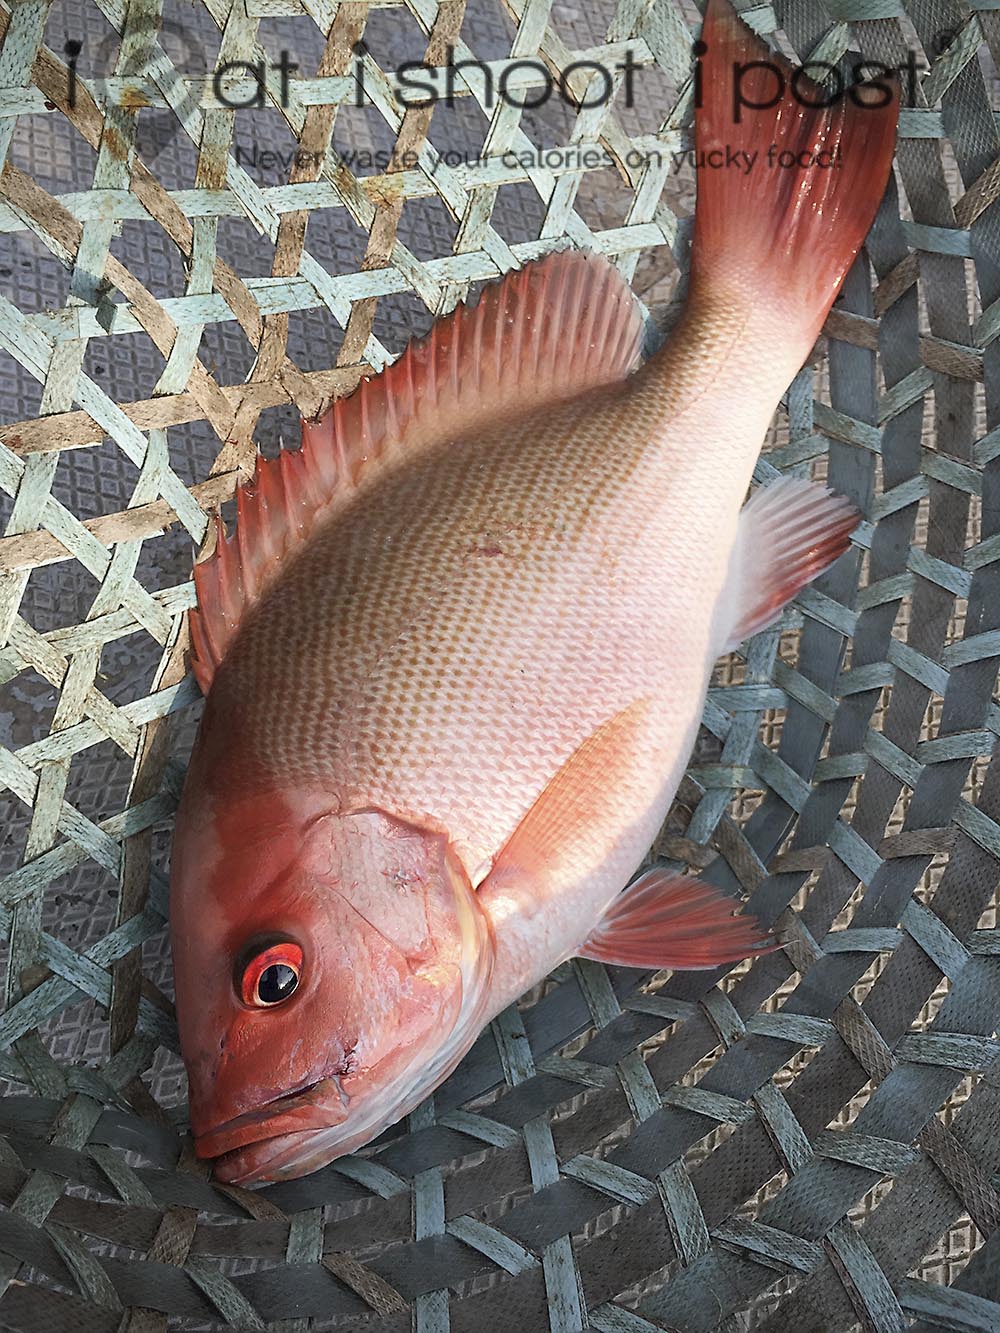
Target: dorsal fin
[{"x": 544, "y": 333}]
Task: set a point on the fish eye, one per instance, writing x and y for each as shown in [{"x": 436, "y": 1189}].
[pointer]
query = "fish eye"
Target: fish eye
[{"x": 271, "y": 976}]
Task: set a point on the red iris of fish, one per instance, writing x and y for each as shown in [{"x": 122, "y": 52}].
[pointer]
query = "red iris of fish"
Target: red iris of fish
[{"x": 277, "y": 987}]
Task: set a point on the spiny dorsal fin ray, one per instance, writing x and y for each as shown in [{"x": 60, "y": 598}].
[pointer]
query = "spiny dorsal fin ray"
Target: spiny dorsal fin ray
[{"x": 555, "y": 328}]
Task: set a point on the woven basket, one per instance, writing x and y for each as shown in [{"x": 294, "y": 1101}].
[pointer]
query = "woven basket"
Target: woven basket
[{"x": 807, "y": 1143}]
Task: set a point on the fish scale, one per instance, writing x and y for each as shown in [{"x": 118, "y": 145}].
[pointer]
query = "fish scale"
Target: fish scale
[{"x": 424, "y": 645}]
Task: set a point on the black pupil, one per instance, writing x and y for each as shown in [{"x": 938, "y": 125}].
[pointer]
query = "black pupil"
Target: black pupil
[{"x": 276, "y": 983}]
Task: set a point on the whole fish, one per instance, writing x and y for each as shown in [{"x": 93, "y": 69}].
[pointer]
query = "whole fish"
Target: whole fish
[{"x": 457, "y": 650}]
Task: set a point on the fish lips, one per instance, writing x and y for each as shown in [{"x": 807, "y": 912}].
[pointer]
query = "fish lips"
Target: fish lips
[
  {"x": 319, "y": 1105},
  {"x": 268, "y": 1160}
]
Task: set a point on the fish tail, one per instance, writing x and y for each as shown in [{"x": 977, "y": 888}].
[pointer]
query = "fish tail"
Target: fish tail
[{"x": 790, "y": 174}]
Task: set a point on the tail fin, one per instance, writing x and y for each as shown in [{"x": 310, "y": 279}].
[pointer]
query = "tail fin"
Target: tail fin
[{"x": 786, "y": 228}]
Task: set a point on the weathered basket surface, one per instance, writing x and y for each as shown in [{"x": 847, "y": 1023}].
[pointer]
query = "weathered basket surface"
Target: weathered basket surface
[{"x": 808, "y": 1143}]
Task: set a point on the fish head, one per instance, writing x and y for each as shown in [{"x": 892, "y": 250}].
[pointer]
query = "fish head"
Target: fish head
[{"x": 330, "y": 970}]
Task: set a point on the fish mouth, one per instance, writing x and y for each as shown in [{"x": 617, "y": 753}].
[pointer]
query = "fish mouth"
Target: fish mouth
[
  {"x": 297, "y": 1114},
  {"x": 283, "y": 1156},
  {"x": 303, "y": 1130}
]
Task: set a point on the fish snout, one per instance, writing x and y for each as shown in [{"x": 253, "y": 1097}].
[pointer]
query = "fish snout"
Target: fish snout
[{"x": 240, "y": 1074}]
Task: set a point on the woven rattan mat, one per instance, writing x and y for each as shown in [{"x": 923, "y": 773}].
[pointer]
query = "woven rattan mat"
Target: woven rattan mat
[{"x": 808, "y": 1143}]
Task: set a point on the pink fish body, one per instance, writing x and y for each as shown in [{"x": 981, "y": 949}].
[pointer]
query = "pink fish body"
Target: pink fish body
[{"x": 457, "y": 651}]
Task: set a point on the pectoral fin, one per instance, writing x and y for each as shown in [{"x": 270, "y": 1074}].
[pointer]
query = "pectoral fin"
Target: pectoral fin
[
  {"x": 567, "y": 829},
  {"x": 670, "y": 920}
]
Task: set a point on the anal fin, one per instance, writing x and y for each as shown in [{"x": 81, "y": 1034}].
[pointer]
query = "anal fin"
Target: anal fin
[{"x": 789, "y": 532}]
